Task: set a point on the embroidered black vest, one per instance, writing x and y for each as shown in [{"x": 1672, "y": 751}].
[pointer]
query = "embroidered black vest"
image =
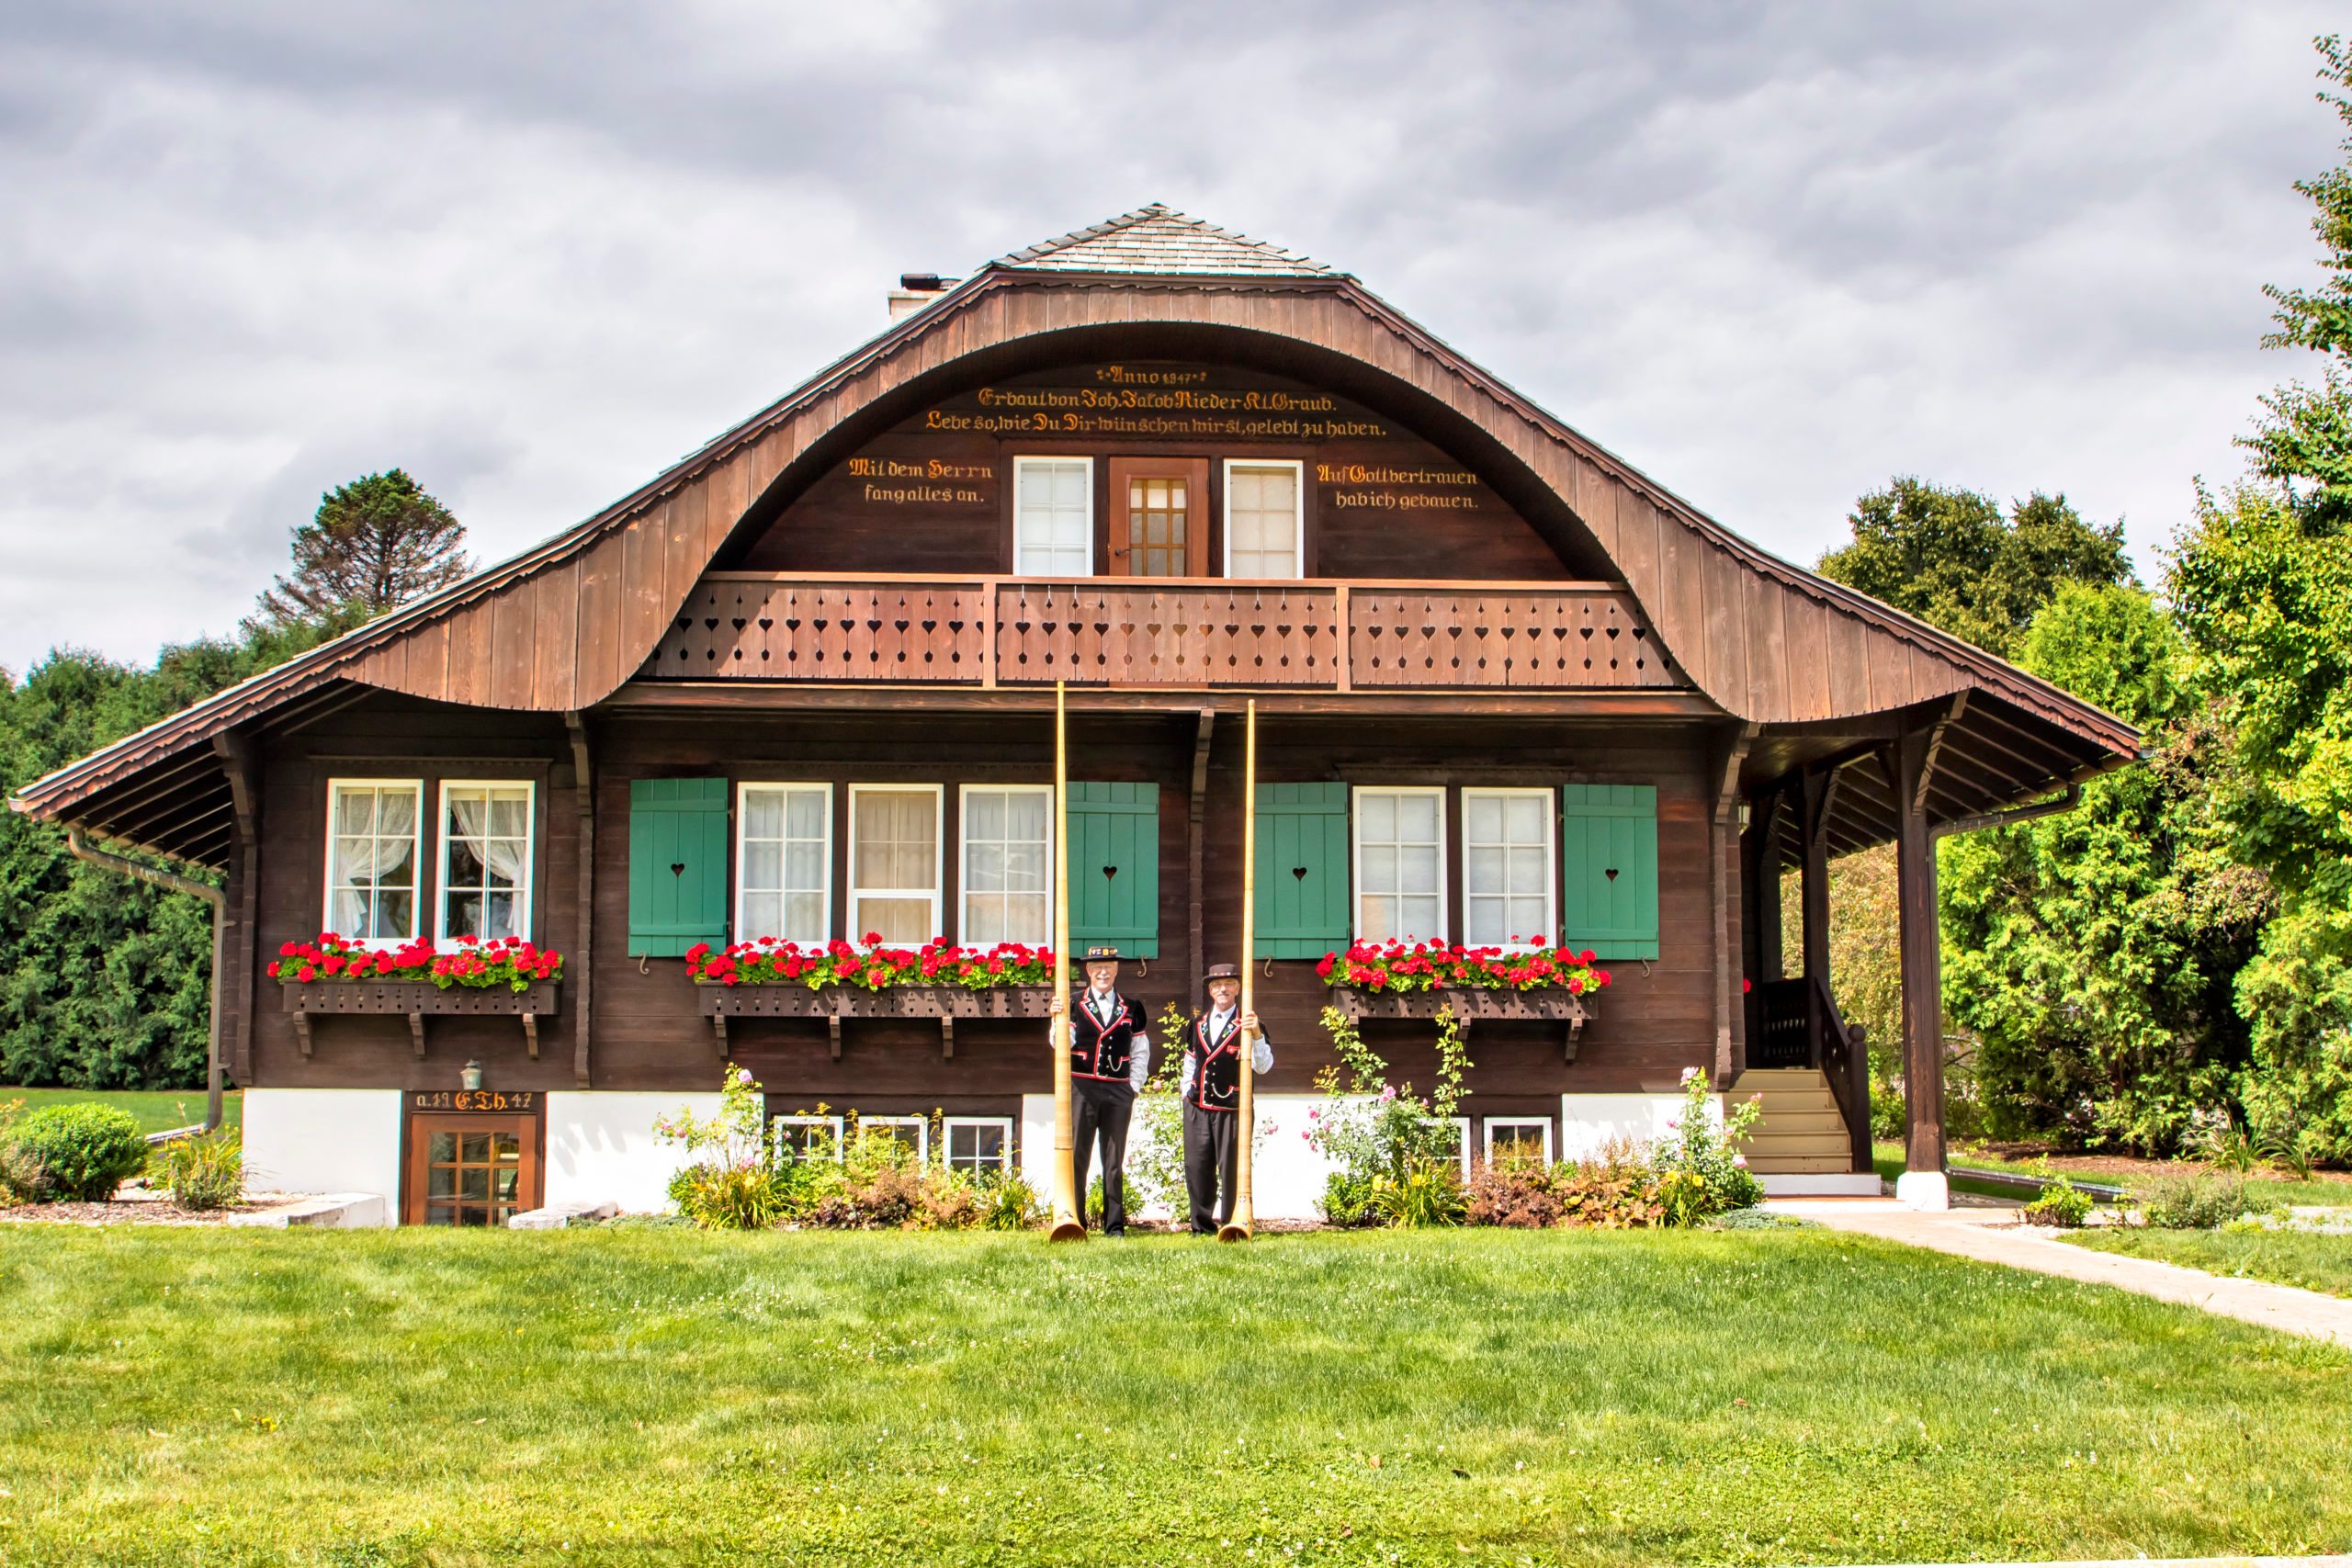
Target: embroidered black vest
[
  {"x": 1098, "y": 1050},
  {"x": 1216, "y": 1066}
]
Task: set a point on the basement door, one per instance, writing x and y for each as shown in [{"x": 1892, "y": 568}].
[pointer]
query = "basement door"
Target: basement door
[{"x": 473, "y": 1157}]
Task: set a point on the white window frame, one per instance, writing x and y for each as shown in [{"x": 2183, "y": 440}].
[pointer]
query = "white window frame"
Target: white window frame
[
  {"x": 1355, "y": 858},
  {"x": 1551, "y": 816},
  {"x": 742, "y": 819},
  {"x": 947, "y": 1137},
  {"x": 921, "y": 1124},
  {"x": 1298, "y": 511},
  {"x": 1462, "y": 1131},
  {"x": 776, "y": 1124},
  {"x": 442, "y": 940},
  {"x": 938, "y": 792},
  {"x": 1487, "y": 1134},
  {"x": 424, "y": 887},
  {"x": 1086, "y": 465},
  {"x": 963, "y": 794}
]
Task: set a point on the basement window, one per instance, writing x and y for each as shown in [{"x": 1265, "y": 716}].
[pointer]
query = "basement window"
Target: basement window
[
  {"x": 980, "y": 1144},
  {"x": 911, "y": 1132},
  {"x": 1519, "y": 1140},
  {"x": 805, "y": 1137}
]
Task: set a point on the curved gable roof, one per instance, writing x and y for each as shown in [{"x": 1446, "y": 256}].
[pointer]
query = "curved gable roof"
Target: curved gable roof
[{"x": 562, "y": 625}]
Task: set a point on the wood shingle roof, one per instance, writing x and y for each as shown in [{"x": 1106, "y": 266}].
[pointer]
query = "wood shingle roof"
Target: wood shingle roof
[{"x": 1159, "y": 240}]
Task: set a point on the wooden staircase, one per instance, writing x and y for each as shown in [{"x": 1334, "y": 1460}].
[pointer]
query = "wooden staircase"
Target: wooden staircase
[{"x": 1802, "y": 1131}]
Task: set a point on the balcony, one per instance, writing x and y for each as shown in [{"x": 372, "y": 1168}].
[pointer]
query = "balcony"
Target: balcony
[{"x": 1169, "y": 632}]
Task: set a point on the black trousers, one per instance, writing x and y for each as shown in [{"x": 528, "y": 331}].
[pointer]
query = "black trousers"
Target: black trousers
[
  {"x": 1212, "y": 1165},
  {"x": 1099, "y": 1112}
]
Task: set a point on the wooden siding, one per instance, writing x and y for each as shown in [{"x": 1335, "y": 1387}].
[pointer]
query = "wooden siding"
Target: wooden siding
[{"x": 647, "y": 1034}]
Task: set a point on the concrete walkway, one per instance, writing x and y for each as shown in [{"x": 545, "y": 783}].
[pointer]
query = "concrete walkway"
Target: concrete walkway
[{"x": 1997, "y": 1236}]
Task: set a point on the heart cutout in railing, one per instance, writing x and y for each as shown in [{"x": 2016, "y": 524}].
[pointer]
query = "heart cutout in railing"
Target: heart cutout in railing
[{"x": 1610, "y": 873}]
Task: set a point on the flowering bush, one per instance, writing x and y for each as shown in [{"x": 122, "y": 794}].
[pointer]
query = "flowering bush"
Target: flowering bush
[
  {"x": 1616, "y": 1191},
  {"x": 1700, "y": 1169},
  {"x": 478, "y": 965},
  {"x": 1396, "y": 966},
  {"x": 871, "y": 965},
  {"x": 733, "y": 1185},
  {"x": 1395, "y": 1152}
]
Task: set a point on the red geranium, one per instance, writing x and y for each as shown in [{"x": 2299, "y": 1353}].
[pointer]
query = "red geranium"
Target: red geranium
[{"x": 1434, "y": 965}]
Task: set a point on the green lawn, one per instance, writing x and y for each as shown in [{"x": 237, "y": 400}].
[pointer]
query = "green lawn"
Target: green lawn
[
  {"x": 2283, "y": 1257},
  {"x": 1890, "y": 1162},
  {"x": 158, "y": 1110},
  {"x": 626, "y": 1396}
]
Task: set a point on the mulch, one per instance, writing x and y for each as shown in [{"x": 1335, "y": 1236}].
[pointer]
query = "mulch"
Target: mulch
[
  {"x": 2109, "y": 1165},
  {"x": 139, "y": 1205}
]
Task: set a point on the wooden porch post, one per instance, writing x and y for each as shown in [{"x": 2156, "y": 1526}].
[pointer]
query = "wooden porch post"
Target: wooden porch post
[
  {"x": 1922, "y": 1185},
  {"x": 1724, "y": 861},
  {"x": 1760, "y": 882}
]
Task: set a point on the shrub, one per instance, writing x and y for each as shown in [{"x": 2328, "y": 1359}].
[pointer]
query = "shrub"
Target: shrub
[
  {"x": 1346, "y": 1200},
  {"x": 1514, "y": 1195},
  {"x": 718, "y": 1196},
  {"x": 2193, "y": 1203},
  {"x": 86, "y": 1150},
  {"x": 1009, "y": 1203},
  {"x": 1613, "y": 1192},
  {"x": 23, "y": 1179},
  {"x": 1700, "y": 1169},
  {"x": 2062, "y": 1205},
  {"x": 204, "y": 1172},
  {"x": 1428, "y": 1195}
]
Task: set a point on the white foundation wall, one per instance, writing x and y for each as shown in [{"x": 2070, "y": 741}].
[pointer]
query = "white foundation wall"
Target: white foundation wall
[
  {"x": 1589, "y": 1122},
  {"x": 601, "y": 1147},
  {"x": 1286, "y": 1185},
  {"x": 325, "y": 1140}
]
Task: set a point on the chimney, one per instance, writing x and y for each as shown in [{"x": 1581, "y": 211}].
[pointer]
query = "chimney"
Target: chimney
[{"x": 916, "y": 289}]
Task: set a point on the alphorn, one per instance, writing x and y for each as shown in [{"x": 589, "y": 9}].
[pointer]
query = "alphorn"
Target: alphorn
[
  {"x": 1243, "y": 1221},
  {"x": 1068, "y": 1224}
]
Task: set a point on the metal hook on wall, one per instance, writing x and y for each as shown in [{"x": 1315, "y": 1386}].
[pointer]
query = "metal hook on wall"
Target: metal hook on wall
[
  {"x": 1269, "y": 969},
  {"x": 642, "y": 959}
]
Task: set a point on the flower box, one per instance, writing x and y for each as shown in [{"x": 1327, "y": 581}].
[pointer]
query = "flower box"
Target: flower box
[
  {"x": 834, "y": 1003},
  {"x": 417, "y": 1000},
  {"x": 1473, "y": 1004}
]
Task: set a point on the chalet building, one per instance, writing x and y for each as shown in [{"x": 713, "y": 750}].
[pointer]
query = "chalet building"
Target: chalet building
[{"x": 800, "y": 686}]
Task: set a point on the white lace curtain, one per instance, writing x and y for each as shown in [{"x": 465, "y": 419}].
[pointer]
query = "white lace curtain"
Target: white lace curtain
[
  {"x": 494, "y": 827},
  {"x": 375, "y": 836}
]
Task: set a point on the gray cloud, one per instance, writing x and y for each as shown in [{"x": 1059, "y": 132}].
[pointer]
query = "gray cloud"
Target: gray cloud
[{"x": 535, "y": 251}]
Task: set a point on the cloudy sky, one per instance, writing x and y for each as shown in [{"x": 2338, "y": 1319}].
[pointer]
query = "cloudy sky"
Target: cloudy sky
[{"x": 534, "y": 252}]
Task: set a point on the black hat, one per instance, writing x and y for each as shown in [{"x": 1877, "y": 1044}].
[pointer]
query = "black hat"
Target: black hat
[
  {"x": 1223, "y": 972},
  {"x": 1101, "y": 953}
]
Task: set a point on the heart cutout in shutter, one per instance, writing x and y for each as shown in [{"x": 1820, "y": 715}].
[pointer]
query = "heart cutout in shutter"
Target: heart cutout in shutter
[
  {"x": 1610, "y": 873},
  {"x": 1299, "y": 871},
  {"x": 1109, "y": 872},
  {"x": 677, "y": 868}
]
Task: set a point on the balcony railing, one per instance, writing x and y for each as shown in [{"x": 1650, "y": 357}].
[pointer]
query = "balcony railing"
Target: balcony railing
[{"x": 1170, "y": 632}]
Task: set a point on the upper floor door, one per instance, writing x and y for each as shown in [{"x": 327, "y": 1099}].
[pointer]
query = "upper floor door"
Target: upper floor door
[{"x": 1159, "y": 524}]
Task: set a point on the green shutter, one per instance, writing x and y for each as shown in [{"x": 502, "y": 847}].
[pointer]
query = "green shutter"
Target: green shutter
[
  {"x": 1607, "y": 828},
  {"x": 1114, "y": 867},
  {"x": 677, "y": 865},
  {"x": 1301, "y": 870}
]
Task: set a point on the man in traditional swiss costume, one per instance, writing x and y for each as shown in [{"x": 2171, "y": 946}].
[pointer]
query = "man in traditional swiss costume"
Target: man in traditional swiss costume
[
  {"x": 1109, "y": 1056},
  {"x": 1212, "y": 1093}
]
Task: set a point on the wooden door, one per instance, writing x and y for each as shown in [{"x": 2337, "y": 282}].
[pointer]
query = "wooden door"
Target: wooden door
[
  {"x": 1159, "y": 517},
  {"x": 471, "y": 1170}
]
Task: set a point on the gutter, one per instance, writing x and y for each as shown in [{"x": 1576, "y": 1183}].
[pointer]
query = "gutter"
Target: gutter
[
  {"x": 2015, "y": 814},
  {"x": 171, "y": 882}
]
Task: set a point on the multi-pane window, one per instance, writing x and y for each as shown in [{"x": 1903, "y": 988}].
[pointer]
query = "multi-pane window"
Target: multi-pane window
[
  {"x": 1506, "y": 865},
  {"x": 1159, "y": 518},
  {"x": 1400, "y": 864},
  {"x": 374, "y": 828},
  {"x": 800, "y": 1138},
  {"x": 981, "y": 1144},
  {"x": 485, "y": 860},
  {"x": 1263, "y": 519},
  {"x": 911, "y": 1134},
  {"x": 1053, "y": 530},
  {"x": 1008, "y": 860},
  {"x": 784, "y": 861},
  {"x": 1519, "y": 1140},
  {"x": 894, "y": 863},
  {"x": 473, "y": 1176}
]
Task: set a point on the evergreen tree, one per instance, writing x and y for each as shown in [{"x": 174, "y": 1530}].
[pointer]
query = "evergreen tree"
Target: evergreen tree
[{"x": 376, "y": 543}]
